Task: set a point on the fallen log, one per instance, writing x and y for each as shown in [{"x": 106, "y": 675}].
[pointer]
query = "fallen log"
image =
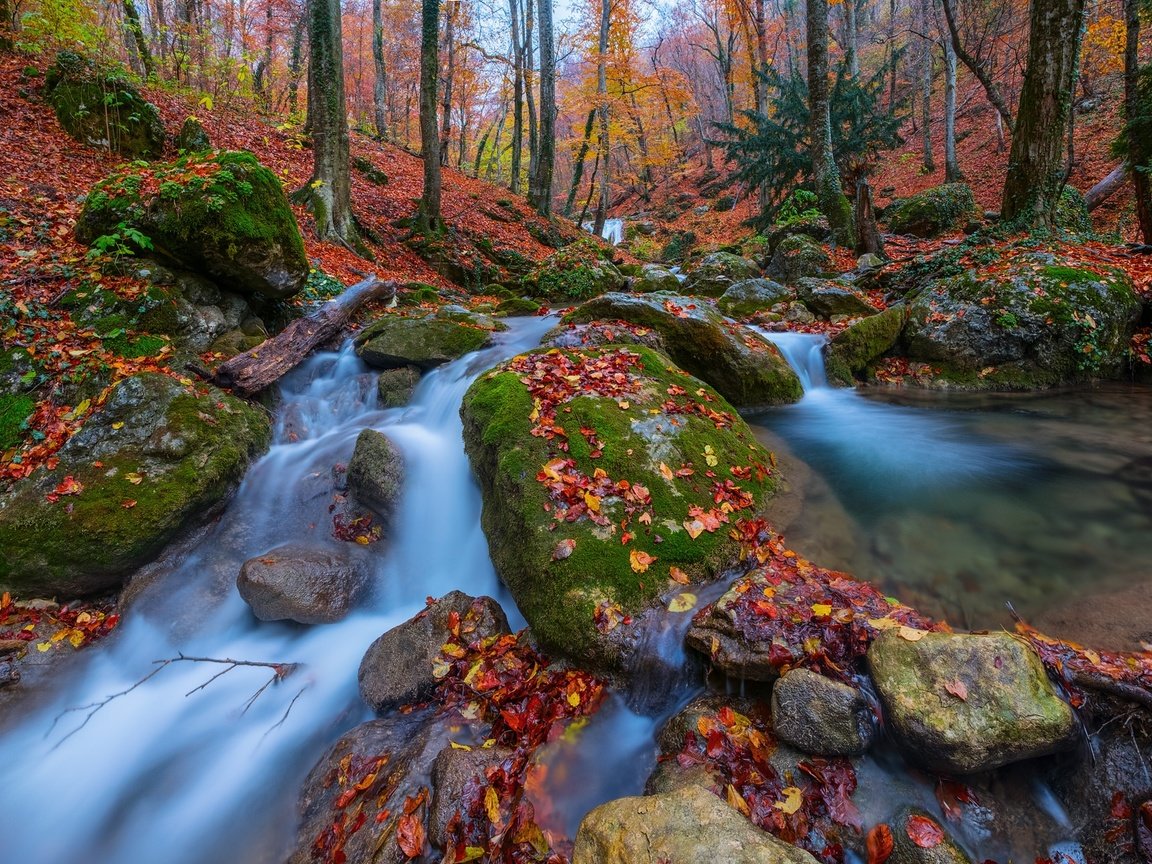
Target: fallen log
[
  {"x": 248, "y": 373},
  {"x": 1104, "y": 190}
]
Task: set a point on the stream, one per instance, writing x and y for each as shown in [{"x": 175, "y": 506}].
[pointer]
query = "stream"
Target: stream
[{"x": 179, "y": 772}]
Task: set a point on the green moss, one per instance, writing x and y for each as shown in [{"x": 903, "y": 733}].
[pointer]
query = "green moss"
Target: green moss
[
  {"x": 852, "y": 350},
  {"x": 369, "y": 171},
  {"x": 933, "y": 211},
  {"x": 517, "y": 306},
  {"x": 576, "y": 272},
  {"x": 14, "y": 411}
]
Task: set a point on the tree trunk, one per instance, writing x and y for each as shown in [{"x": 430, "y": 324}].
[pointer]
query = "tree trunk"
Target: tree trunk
[
  {"x": 867, "y": 234},
  {"x": 296, "y": 61},
  {"x": 380, "y": 83},
  {"x": 7, "y": 32},
  {"x": 851, "y": 39},
  {"x": 1140, "y": 152},
  {"x": 578, "y": 166},
  {"x": 517, "y": 100},
  {"x": 260, "y": 78},
  {"x": 1107, "y": 187},
  {"x": 602, "y": 108},
  {"x": 540, "y": 192},
  {"x": 131, "y": 21},
  {"x": 1036, "y": 170},
  {"x": 449, "y": 80},
  {"x": 926, "y": 91},
  {"x": 975, "y": 66},
  {"x": 529, "y": 88},
  {"x": 255, "y": 370},
  {"x": 429, "y": 214},
  {"x": 825, "y": 175},
  {"x": 329, "y": 192},
  {"x": 892, "y": 58},
  {"x": 952, "y": 172}
]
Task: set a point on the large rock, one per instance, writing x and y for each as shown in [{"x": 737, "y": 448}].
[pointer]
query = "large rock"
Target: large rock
[
  {"x": 689, "y": 826},
  {"x": 746, "y": 370},
  {"x": 303, "y": 584},
  {"x": 372, "y": 770},
  {"x": 798, "y": 256},
  {"x": 224, "y": 216},
  {"x": 1032, "y": 322},
  {"x": 933, "y": 211},
  {"x": 156, "y": 459},
  {"x": 959, "y": 704},
  {"x": 821, "y": 716},
  {"x": 399, "y": 667},
  {"x": 574, "y": 273},
  {"x": 193, "y": 137},
  {"x": 718, "y": 272},
  {"x": 827, "y": 297},
  {"x": 422, "y": 341},
  {"x": 376, "y": 472},
  {"x": 655, "y": 277},
  {"x": 586, "y": 535},
  {"x": 746, "y": 298},
  {"x": 103, "y": 108},
  {"x": 853, "y": 349},
  {"x": 395, "y": 387}
]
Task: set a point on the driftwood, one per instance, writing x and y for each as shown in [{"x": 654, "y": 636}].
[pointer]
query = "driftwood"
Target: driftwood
[
  {"x": 1104, "y": 190},
  {"x": 248, "y": 373}
]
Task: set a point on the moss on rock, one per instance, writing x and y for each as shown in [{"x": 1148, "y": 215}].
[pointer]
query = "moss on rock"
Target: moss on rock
[
  {"x": 933, "y": 211},
  {"x": 425, "y": 341},
  {"x": 224, "y": 216},
  {"x": 852, "y": 350},
  {"x": 576, "y": 272},
  {"x": 798, "y": 256},
  {"x": 193, "y": 137},
  {"x": 718, "y": 272}
]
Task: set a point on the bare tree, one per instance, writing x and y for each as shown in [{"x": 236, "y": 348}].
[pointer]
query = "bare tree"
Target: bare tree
[
  {"x": 825, "y": 174},
  {"x": 428, "y": 217},
  {"x": 540, "y": 187},
  {"x": 380, "y": 81}
]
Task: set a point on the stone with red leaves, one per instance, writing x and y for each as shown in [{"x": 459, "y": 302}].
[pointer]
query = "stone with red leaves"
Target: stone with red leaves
[
  {"x": 919, "y": 839},
  {"x": 821, "y": 716},
  {"x": 457, "y": 774}
]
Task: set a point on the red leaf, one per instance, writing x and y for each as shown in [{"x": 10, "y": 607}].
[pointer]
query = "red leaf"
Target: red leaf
[
  {"x": 957, "y": 688},
  {"x": 410, "y": 836},
  {"x": 879, "y": 844},
  {"x": 924, "y": 832}
]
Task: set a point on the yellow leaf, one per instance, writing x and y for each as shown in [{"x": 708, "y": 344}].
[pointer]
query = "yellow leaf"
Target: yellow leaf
[
  {"x": 666, "y": 472},
  {"x": 694, "y": 528},
  {"x": 134, "y": 478},
  {"x": 592, "y": 501},
  {"x": 912, "y": 634},
  {"x": 43, "y": 646},
  {"x": 821, "y": 610},
  {"x": 573, "y": 699},
  {"x": 119, "y": 424},
  {"x": 456, "y": 746},
  {"x": 682, "y": 602},
  {"x": 640, "y": 560},
  {"x": 492, "y": 805},
  {"x": 624, "y": 405},
  {"x": 736, "y": 800},
  {"x": 710, "y": 456},
  {"x": 791, "y": 801}
]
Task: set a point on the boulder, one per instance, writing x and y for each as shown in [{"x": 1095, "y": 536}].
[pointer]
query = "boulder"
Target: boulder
[
  {"x": 689, "y": 826},
  {"x": 820, "y": 716},
  {"x": 574, "y": 273},
  {"x": 933, "y": 211},
  {"x": 814, "y": 226},
  {"x": 156, "y": 459},
  {"x": 399, "y": 667},
  {"x": 423, "y": 341},
  {"x": 853, "y": 349},
  {"x": 376, "y": 472},
  {"x": 798, "y": 256},
  {"x": 394, "y": 387},
  {"x": 515, "y": 306},
  {"x": 223, "y": 216},
  {"x": 390, "y": 759},
  {"x": 103, "y": 108},
  {"x": 596, "y": 334},
  {"x": 555, "y": 518},
  {"x": 718, "y": 272},
  {"x": 303, "y": 584},
  {"x": 745, "y": 369},
  {"x": 959, "y": 703},
  {"x": 456, "y": 772},
  {"x": 193, "y": 137},
  {"x": 827, "y": 297},
  {"x": 746, "y": 298},
  {"x": 655, "y": 277},
  {"x": 918, "y": 838},
  {"x": 1032, "y": 322}
]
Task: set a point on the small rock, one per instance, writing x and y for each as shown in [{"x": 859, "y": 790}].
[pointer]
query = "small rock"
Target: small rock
[
  {"x": 960, "y": 703},
  {"x": 397, "y": 669},
  {"x": 749, "y": 296},
  {"x": 821, "y": 716},
  {"x": 798, "y": 313},
  {"x": 717, "y": 272},
  {"x": 192, "y": 137},
  {"x": 917, "y": 838},
  {"x": 395, "y": 340},
  {"x": 9, "y": 674},
  {"x": 376, "y": 472},
  {"x": 303, "y": 584},
  {"x": 395, "y": 386},
  {"x": 452, "y": 772},
  {"x": 689, "y": 826},
  {"x": 869, "y": 261}
]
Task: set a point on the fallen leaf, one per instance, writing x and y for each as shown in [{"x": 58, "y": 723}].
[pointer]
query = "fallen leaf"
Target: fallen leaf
[
  {"x": 791, "y": 801},
  {"x": 492, "y": 805},
  {"x": 924, "y": 832},
  {"x": 880, "y": 843},
  {"x": 682, "y": 602},
  {"x": 641, "y": 560},
  {"x": 677, "y": 575},
  {"x": 563, "y": 549},
  {"x": 957, "y": 688},
  {"x": 912, "y": 634},
  {"x": 410, "y": 835}
]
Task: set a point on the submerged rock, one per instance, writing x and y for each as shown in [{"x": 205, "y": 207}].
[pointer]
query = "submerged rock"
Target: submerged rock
[
  {"x": 395, "y": 386},
  {"x": 933, "y": 211},
  {"x": 456, "y": 772},
  {"x": 304, "y": 584},
  {"x": 718, "y": 272},
  {"x": 424, "y": 342},
  {"x": 920, "y": 839},
  {"x": 376, "y": 472},
  {"x": 959, "y": 703},
  {"x": 688, "y": 826},
  {"x": 746, "y": 370},
  {"x": 821, "y": 716},
  {"x": 399, "y": 667},
  {"x": 156, "y": 459}
]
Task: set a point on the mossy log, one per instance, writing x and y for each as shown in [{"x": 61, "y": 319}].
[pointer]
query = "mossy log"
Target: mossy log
[{"x": 248, "y": 373}]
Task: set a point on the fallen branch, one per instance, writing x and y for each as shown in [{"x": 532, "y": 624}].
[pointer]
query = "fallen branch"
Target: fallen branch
[
  {"x": 254, "y": 370},
  {"x": 1104, "y": 190}
]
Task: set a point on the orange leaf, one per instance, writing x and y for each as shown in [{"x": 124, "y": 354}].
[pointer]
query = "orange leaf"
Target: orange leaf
[
  {"x": 640, "y": 560},
  {"x": 880, "y": 844},
  {"x": 410, "y": 836}
]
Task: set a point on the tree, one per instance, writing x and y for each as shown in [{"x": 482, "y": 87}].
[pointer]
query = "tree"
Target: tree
[
  {"x": 428, "y": 217},
  {"x": 1135, "y": 142},
  {"x": 604, "y": 117},
  {"x": 7, "y": 43},
  {"x": 329, "y": 192},
  {"x": 1036, "y": 164},
  {"x": 540, "y": 186},
  {"x": 131, "y": 22},
  {"x": 825, "y": 176},
  {"x": 380, "y": 79}
]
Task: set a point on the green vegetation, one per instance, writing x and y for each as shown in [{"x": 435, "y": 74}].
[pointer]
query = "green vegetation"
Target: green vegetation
[{"x": 933, "y": 211}]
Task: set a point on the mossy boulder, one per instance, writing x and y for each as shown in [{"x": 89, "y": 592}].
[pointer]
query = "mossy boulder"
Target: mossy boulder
[
  {"x": 814, "y": 225},
  {"x": 798, "y": 256},
  {"x": 960, "y": 703},
  {"x": 395, "y": 387},
  {"x": 718, "y": 272},
  {"x": 423, "y": 341},
  {"x": 193, "y": 137},
  {"x": 829, "y": 297},
  {"x": 853, "y": 349},
  {"x": 592, "y": 468},
  {"x": 223, "y": 216},
  {"x": 515, "y": 306},
  {"x": 1034, "y": 322},
  {"x": 655, "y": 277},
  {"x": 103, "y": 108},
  {"x": 574, "y": 273},
  {"x": 154, "y": 460},
  {"x": 747, "y": 370},
  {"x": 746, "y": 298},
  {"x": 376, "y": 472},
  {"x": 933, "y": 211}
]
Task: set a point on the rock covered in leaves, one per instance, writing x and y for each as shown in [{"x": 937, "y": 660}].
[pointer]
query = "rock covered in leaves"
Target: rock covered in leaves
[
  {"x": 933, "y": 211},
  {"x": 820, "y": 716},
  {"x": 853, "y": 349},
  {"x": 960, "y": 703},
  {"x": 159, "y": 456},
  {"x": 103, "y": 108},
  {"x": 746, "y": 370},
  {"x": 917, "y": 838},
  {"x": 609, "y": 475},
  {"x": 718, "y": 272},
  {"x": 376, "y": 472},
  {"x": 400, "y": 667},
  {"x": 304, "y": 584},
  {"x": 1031, "y": 321},
  {"x": 746, "y": 298},
  {"x": 798, "y": 256},
  {"x": 223, "y": 215},
  {"x": 457, "y": 773},
  {"x": 828, "y": 297},
  {"x": 423, "y": 340},
  {"x": 578, "y": 271},
  {"x": 688, "y": 826}
]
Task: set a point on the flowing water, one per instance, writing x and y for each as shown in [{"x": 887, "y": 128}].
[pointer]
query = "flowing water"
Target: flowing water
[{"x": 613, "y": 230}]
